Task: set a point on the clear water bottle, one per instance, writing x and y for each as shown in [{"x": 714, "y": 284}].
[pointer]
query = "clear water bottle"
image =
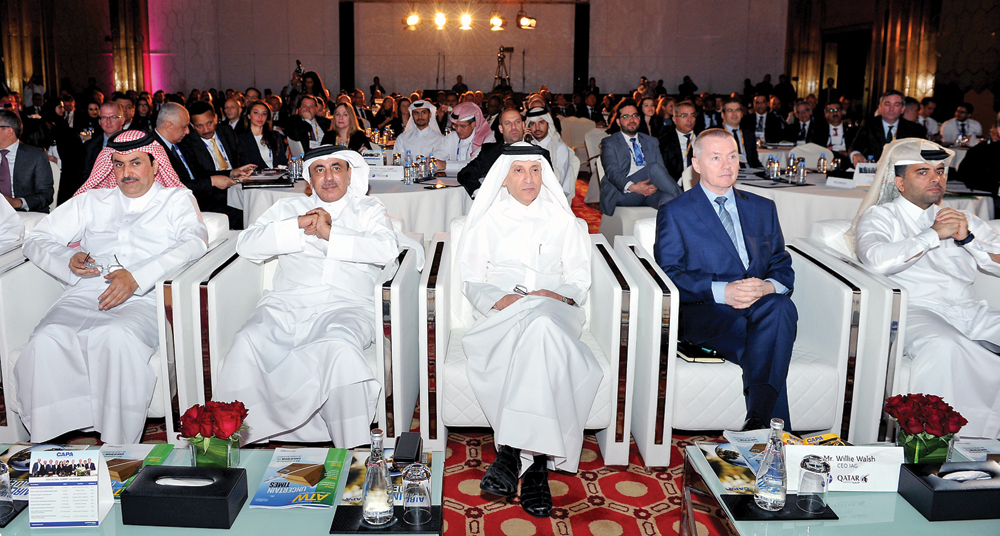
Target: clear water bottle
[
  {"x": 821, "y": 164},
  {"x": 421, "y": 167},
  {"x": 871, "y": 158},
  {"x": 431, "y": 166},
  {"x": 771, "y": 484},
  {"x": 408, "y": 159},
  {"x": 377, "y": 495}
]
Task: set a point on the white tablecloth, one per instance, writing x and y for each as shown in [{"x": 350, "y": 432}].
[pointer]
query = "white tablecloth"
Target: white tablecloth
[
  {"x": 801, "y": 206},
  {"x": 422, "y": 210}
]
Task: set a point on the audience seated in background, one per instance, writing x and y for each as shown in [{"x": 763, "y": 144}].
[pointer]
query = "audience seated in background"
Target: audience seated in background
[
  {"x": 935, "y": 253},
  {"x": 833, "y": 133},
  {"x": 705, "y": 241},
  {"x": 422, "y": 132},
  {"x": 541, "y": 126},
  {"x": 767, "y": 126},
  {"x": 470, "y": 132},
  {"x": 110, "y": 119},
  {"x": 86, "y": 365},
  {"x": 305, "y": 126},
  {"x": 298, "y": 364},
  {"x": 927, "y": 107},
  {"x": 634, "y": 174},
  {"x": 746, "y": 142},
  {"x": 262, "y": 146},
  {"x": 961, "y": 125},
  {"x": 802, "y": 129},
  {"x": 981, "y": 166},
  {"x": 511, "y": 131},
  {"x": 532, "y": 375},
  {"x": 345, "y": 130},
  {"x": 676, "y": 141},
  {"x": 875, "y": 132},
  {"x": 25, "y": 173}
]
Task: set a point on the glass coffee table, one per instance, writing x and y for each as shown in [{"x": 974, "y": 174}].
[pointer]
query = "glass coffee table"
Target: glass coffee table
[{"x": 861, "y": 514}]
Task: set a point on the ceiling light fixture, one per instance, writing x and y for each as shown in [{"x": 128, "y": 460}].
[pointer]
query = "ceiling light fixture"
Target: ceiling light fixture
[
  {"x": 466, "y": 21},
  {"x": 525, "y": 22},
  {"x": 497, "y": 22},
  {"x": 410, "y": 22},
  {"x": 440, "y": 20}
]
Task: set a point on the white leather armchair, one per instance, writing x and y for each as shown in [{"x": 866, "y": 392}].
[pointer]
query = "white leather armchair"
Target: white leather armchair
[
  {"x": 890, "y": 374},
  {"x": 593, "y": 141},
  {"x": 219, "y": 297},
  {"x": 446, "y": 398},
  {"x": 27, "y": 293},
  {"x": 673, "y": 393}
]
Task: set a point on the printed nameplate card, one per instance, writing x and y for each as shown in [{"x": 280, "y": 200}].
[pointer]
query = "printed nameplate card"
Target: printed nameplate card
[
  {"x": 851, "y": 468},
  {"x": 864, "y": 174}
]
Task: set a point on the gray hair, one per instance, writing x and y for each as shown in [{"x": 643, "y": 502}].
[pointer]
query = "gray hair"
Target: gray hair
[
  {"x": 170, "y": 112},
  {"x": 713, "y": 133},
  {"x": 10, "y": 119}
]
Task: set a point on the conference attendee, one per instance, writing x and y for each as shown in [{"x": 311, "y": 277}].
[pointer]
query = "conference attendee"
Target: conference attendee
[
  {"x": 511, "y": 131},
  {"x": 365, "y": 115},
  {"x": 981, "y": 166},
  {"x": 128, "y": 111},
  {"x": 802, "y": 129},
  {"x": 172, "y": 125},
  {"x": 25, "y": 173},
  {"x": 376, "y": 86},
  {"x": 305, "y": 126},
  {"x": 533, "y": 377},
  {"x": 677, "y": 141},
  {"x": 93, "y": 117},
  {"x": 634, "y": 174},
  {"x": 543, "y": 133},
  {"x": 786, "y": 91},
  {"x": 34, "y": 111},
  {"x": 911, "y": 109},
  {"x": 11, "y": 227},
  {"x": 686, "y": 88},
  {"x": 651, "y": 122},
  {"x": 110, "y": 120},
  {"x": 469, "y": 133},
  {"x": 876, "y": 132},
  {"x": 724, "y": 250},
  {"x": 961, "y": 125},
  {"x": 830, "y": 93},
  {"x": 73, "y": 121},
  {"x": 927, "y": 107},
  {"x": 262, "y": 146},
  {"x": 665, "y": 109},
  {"x": 143, "y": 118},
  {"x": 298, "y": 364},
  {"x": 709, "y": 117},
  {"x": 345, "y": 130},
  {"x": 562, "y": 107},
  {"x": 387, "y": 116},
  {"x": 63, "y": 146},
  {"x": 86, "y": 365},
  {"x": 589, "y": 109},
  {"x": 232, "y": 110},
  {"x": 422, "y": 132},
  {"x": 936, "y": 253},
  {"x": 833, "y": 133},
  {"x": 767, "y": 126},
  {"x": 746, "y": 143},
  {"x": 459, "y": 86},
  {"x": 216, "y": 162}
]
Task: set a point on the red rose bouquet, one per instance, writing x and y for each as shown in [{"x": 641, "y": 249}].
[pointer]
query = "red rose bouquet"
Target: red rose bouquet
[
  {"x": 927, "y": 424},
  {"x": 214, "y": 432}
]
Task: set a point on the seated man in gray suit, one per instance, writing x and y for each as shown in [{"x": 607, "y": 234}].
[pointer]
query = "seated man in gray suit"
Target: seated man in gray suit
[
  {"x": 25, "y": 173},
  {"x": 634, "y": 174}
]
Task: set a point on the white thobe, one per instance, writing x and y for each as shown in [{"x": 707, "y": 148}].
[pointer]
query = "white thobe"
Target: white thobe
[
  {"x": 951, "y": 128},
  {"x": 457, "y": 152},
  {"x": 930, "y": 124},
  {"x": 83, "y": 367},
  {"x": 11, "y": 227},
  {"x": 533, "y": 377},
  {"x": 561, "y": 163},
  {"x": 418, "y": 142},
  {"x": 298, "y": 364},
  {"x": 943, "y": 318}
]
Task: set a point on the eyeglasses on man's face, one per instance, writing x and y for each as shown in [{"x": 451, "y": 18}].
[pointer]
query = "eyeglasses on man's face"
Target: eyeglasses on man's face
[{"x": 110, "y": 117}]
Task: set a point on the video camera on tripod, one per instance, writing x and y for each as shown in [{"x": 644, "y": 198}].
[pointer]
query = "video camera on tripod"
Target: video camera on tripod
[{"x": 502, "y": 77}]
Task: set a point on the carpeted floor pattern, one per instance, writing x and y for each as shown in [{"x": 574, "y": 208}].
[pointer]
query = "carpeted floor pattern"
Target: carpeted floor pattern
[{"x": 589, "y": 213}]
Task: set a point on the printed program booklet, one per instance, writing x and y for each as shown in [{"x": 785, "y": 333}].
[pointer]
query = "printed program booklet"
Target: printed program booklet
[
  {"x": 729, "y": 466},
  {"x": 18, "y": 459},
  {"x": 69, "y": 488},
  {"x": 356, "y": 478},
  {"x": 125, "y": 461},
  {"x": 307, "y": 477}
]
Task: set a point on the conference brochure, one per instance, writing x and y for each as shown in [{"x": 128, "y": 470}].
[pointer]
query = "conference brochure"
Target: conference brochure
[
  {"x": 302, "y": 477},
  {"x": 125, "y": 461},
  {"x": 68, "y": 488},
  {"x": 18, "y": 460},
  {"x": 729, "y": 466}
]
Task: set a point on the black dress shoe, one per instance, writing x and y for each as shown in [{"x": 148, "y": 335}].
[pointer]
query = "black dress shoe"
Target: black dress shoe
[
  {"x": 501, "y": 477},
  {"x": 536, "y": 497},
  {"x": 753, "y": 423}
]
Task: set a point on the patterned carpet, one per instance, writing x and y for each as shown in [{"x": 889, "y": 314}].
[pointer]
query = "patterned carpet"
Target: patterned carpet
[{"x": 590, "y": 213}]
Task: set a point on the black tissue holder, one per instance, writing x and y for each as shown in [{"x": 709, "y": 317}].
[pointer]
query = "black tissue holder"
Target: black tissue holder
[
  {"x": 939, "y": 499},
  {"x": 214, "y": 506}
]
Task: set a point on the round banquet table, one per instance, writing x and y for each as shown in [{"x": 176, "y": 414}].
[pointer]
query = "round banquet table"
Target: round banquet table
[
  {"x": 422, "y": 210},
  {"x": 801, "y": 206}
]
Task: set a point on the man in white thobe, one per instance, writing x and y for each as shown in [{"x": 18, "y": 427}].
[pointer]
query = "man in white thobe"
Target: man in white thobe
[
  {"x": 524, "y": 261},
  {"x": 86, "y": 365},
  {"x": 298, "y": 364},
  {"x": 542, "y": 130},
  {"x": 462, "y": 144},
  {"x": 935, "y": 252},
  {"x": 422, "y": 133}
]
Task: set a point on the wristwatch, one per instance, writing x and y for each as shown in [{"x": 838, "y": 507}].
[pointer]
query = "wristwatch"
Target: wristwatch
[
  {"x": 569, "y": 301},
  {"x": 968, "y": 239}
]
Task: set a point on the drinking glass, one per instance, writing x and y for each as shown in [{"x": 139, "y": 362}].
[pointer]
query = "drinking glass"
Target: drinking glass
[
  {"x": 416, "y": 494},
  {"x": 813, "y": 484}
]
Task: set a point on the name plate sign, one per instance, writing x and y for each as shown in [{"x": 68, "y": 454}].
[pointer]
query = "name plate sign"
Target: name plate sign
[
  {"x": 851, "y": 468},
  {"x": 864, "y": 174},
  {"x": 386, "y": 173},
  {"x": 840, "y": 182}
]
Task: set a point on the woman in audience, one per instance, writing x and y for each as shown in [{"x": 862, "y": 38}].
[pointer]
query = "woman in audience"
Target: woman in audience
[
  {"x": 651, "y": 123},
  {"x": 404, "y": 115},
  {"x": 388, "y": 115},
  {"x": 93, "y": 117},
  {"x": 64, "y": 148},
  {"x": 666, "y": 111},
  {"x": 143, "y": 119},
  {"x": 345, "y": 130},
  {"x": 261, "y": 145}
]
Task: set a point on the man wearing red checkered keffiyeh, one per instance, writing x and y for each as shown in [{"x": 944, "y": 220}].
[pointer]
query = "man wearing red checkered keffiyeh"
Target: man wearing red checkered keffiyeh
[
  {"x": 87, "y": 363},
  {"x": 125, "y": 142}
]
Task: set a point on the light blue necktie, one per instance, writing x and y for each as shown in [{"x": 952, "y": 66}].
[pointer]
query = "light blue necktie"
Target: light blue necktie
[
  {"x": 640, "y": 160},
  {"x": 727, "y": 220}
]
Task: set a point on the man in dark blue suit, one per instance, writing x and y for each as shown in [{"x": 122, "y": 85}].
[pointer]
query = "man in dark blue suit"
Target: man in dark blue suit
[
  {"x": 725, "y": 252},
  {"x": 634, "y": 174}
]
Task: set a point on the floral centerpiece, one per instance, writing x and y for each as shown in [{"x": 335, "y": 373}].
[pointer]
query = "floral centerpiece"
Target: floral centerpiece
[
  {"x": 214, "y": 432},
  {"x": 927, "y": 424}
]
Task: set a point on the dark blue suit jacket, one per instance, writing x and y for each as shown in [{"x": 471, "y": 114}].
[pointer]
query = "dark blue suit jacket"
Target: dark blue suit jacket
[
  {"x": 694, "y": 250},
  {"x": 616, "y": 157}
]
